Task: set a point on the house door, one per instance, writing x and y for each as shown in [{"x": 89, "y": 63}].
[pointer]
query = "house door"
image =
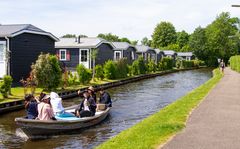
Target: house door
[
  {"x": 2, "y": 59},
  {"x": 84, "y": 57}
]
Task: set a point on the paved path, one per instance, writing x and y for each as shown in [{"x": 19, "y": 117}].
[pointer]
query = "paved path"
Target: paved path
[{"x": 215, "y": 124}]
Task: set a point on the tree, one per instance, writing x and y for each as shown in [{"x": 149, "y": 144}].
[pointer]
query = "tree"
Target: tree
[
  {"x": 163, "y": 35},
  {"x": 219, "y": 45},
  {"x": 197, "y": 43},
  {"x": 124, "y": 39},
  {"x": 47, "y": 71},
  {"x": 182, "y": 38},
  {"x": 174, "y": 47},
  {"x": 69, "y": 36},
  {"x": 134, "y": 42},
  {"x": 145, "y": 41},
  {"x": 84, "y": 74},
  {"x": 93, "y": 57},
  {"x": 109, "y": 37}
]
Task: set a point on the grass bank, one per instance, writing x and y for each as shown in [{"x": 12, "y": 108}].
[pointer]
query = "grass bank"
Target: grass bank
[
  {"x": 235, "y": 63},
  {"x": 158, "y": 128}
]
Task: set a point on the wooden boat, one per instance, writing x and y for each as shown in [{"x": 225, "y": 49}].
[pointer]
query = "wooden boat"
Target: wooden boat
[{"x": 39, "y": 128}]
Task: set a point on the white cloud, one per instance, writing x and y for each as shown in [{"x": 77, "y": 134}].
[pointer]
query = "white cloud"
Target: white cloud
[{"x": 133, "y": 19}]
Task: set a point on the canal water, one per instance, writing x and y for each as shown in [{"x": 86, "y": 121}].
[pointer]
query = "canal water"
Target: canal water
[{"x": 131, "y": 103}]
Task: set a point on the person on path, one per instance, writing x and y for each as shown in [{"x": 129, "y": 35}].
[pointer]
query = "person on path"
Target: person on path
[{"x": 222, "y": 65}]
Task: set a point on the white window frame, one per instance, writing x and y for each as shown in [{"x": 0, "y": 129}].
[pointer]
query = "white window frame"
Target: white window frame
[
  {"x": 60, "y": 54},
  {"x": 4, "y": 49},
  {"x": 188, "y": 58},
  {"x": 115, "y": 55},
  {"x": 133, "y": 56}
]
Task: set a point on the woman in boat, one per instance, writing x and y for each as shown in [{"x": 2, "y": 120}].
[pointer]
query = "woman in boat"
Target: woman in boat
[
  {"x": 87, "y": 107},
  {"x": 92, "y": 93},
  {"x": 31, "y": 106},
  {"x": 56, "y": 103},
  {"x": 45, "y": 111}
]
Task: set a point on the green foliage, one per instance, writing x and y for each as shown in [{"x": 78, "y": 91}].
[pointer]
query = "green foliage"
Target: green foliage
[
  {"x": 47, "y": 71},
  {"x": 5, "y": 86},
  {"x": 109, "y": 37},
  {"x": 124, "y": 39},
  {"x": 235, "y": 63},
  {"x": 174, "y": 47},
  {"x": 99, "y": 72},
  {"x": 159, "y": 127},
  {"x": 166, "y": 63},
  {"x": 145, "y": 41},
  {"x": 110, "y": 70},
  {"x": 215, "y": 41},
  {"x": 134, "y": 42},
  {"x": 72, "y": 78},
  {"x": 163, "y": 35},
  {"x": 151, "y": 66},
  {"x": 182, "y": 38},
  {"x": 84, "y": 74},
  {"x": 122, "y": 68},
  {"x": 69, "y": 36},
  {"x": 138, "y": 67}
]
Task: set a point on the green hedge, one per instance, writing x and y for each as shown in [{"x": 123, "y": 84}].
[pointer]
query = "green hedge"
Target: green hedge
[
  {"x": 235, "y": 63},
  {"x": 158, "y": 128}
]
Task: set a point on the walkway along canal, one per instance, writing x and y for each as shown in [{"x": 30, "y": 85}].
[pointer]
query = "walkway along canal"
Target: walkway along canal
[{"x": 131, "y": 103}]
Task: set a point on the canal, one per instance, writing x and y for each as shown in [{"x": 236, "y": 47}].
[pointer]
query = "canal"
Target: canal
[{"x": 131, "y": 103}]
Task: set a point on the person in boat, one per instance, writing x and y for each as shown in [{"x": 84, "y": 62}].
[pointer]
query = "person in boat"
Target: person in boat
[
  {"x": 87, "y": 106},
  {"x": 92, "y": 93},
  {"x": 45, "y": 111},
  {"x": 56, "y": 103},
  {"x": 104, "y": 101},
  {"x": 31, "y": 106}
]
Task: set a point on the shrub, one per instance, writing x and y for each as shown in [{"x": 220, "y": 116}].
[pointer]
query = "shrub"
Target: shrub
[
  {"x": 99, "y": 74},
  {"x": 166, "y": 63},
  {"x": 235, "y": 63},
  {"x": 84, "y": 74},
  {"x": 5, "y": 86},
  {"x": 122, "y": 68},
  {"x": 110, "y": 70},
  {"x": 72, "y": 78},
  {"x": 134, "y": 69},
  {"x": 47, "y": 71},
  {"x": 141, "y": 65},
  {"x": 151, "y": 66}
]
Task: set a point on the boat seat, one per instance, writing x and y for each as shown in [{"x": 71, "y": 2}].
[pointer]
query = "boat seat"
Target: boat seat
[{"x": 75, "y": 118}]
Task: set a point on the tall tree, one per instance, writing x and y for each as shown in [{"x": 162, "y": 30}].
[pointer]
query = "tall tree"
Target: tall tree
[
  {"x": 197, "y": 43},
  {"x": 109, "y": 37},
  {"x": 163, "y": 35},
  {"x": 145, "y": 41},
  {"x": 182, "y": 38},
  {"x": 218, "y": 34}
]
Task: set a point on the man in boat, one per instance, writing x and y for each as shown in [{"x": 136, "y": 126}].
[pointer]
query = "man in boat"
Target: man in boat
[
  {"x": 45, "y": 111},
  {"x": 56, "y": 103},
  {"x": 104, "y": 101},
  {"x": 31, "y": 106},
  {"x": 87, "y": 106}
]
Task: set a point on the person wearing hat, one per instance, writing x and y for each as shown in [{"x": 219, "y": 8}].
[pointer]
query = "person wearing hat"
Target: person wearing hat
[
  {"x": 58, "y": 109},
  {"x": 45, "y": 111},
  {"x": 92, "y": 93},
  {"x": 87, "y": 106}
]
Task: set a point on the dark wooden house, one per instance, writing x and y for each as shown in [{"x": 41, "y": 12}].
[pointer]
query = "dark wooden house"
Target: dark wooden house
[
  {"x": 74, "y": 51},
  {"x": 124, "y": 50},
  {"x": 146, "y": 52},
  {"x": 186, "y": 56},
  {"x": 20, "y": 46},
  {"x": 170, "y": 53},
  {"x": 159, "y": 55}
]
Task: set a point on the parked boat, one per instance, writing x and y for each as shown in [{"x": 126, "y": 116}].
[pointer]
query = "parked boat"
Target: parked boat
[{"x": 38, "y": 128}]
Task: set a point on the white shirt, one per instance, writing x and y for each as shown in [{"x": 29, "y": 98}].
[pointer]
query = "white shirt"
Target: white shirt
[
  {"x": 57, "y": 105},
  {"x": 85, "y": 105}
]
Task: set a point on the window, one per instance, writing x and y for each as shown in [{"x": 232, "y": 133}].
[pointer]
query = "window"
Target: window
[
  {"x": 117, "y": 55},
  {"x": 84, "y": 55},
  {"x": 133, "y": 56},
  {"x": 63, "y": 55},
  {"x": 188, "y": 58},
  {"x": 2, "y": 46}
]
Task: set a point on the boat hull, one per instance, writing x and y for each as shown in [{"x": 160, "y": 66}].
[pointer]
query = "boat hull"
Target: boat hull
[{"x": 38, "y": 128}]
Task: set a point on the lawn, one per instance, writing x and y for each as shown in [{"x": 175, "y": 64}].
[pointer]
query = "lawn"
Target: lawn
[{"x": 158, "y": 128}]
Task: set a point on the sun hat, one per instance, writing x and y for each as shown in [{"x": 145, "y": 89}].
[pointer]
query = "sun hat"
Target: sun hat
[
  {"x": 91, "y": 88},
  {"x": 46, "y": 97}
]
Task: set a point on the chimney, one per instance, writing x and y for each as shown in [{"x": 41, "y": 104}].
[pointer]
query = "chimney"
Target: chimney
[{"x": 79, "y": 39}]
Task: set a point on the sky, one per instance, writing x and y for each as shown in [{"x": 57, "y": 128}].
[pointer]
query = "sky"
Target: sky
[{"x": 133, "y": 19}]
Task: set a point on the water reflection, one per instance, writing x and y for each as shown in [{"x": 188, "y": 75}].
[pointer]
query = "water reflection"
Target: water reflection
[{"x": 131, "y": 103}]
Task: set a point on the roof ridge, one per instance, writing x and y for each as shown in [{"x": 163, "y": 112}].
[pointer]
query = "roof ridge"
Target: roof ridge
[{"x": 14, "y": 24}]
